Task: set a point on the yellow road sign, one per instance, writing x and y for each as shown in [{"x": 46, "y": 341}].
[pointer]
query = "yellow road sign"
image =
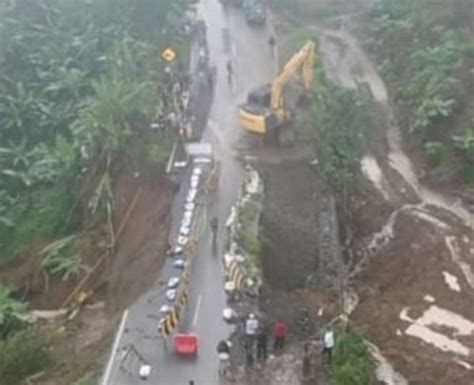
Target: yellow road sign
[{"x": 168, "y": 54}]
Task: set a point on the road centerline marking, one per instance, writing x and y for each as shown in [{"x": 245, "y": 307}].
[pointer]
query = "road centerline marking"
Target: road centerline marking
[
  {"x": 118, "y": 337},
  {"x": 196, "y": 312}
]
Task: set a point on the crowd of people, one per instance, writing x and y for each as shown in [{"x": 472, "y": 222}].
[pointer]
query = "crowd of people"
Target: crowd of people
[{"x": 257, "y": 340}]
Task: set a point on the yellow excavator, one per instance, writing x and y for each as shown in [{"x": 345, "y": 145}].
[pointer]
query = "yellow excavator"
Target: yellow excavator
[{"x": 266, "y": 111}]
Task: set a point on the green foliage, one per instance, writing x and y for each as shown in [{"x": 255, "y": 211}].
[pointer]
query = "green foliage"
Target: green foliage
[
  {"x": 320, "y": 10},
  {"x": 465, "y": 145},
  {"x": 434, "y": 152},
  {"x": 59, "y": 259},
  {"x": 251, "y": 241},
  {"x": 343, "y": 119},
  {"x": 10, "y": 310},
  {"x": 296, "y": 37},
  {"x": 159, "y": 149},
  {"x": 352, "y": 363},
  {"x": 249, "y": 234},
  {"x": 77, "y": 86},
  {"x": 103, "y": 197},
  {"x": 38, "y": 214},
  {"x": 425, "y": 49},
  {"x": 430, "y": 109},
  {"x": 22, "y": 355}
]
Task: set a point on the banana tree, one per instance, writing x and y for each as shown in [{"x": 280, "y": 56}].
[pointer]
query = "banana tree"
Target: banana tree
[{"x": 58, "y": 258}]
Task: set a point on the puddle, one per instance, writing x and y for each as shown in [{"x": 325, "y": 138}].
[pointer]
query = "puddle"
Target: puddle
[
  {"x": 435, "y": 315},
  {"x": 453, "y": 247},
  {"x": 451, "y": 281},
  {"x": 384, "y": 370},
  {"x": 372, "y": 171}
]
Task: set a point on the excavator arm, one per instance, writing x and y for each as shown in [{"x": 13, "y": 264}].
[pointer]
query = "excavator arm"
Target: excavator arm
[
  {"x": 265, "y": 109},
  {"x": 303, "y": 59}
]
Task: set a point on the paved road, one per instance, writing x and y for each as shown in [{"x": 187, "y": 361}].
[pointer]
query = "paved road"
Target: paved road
[{"x": 229, "y": 37}]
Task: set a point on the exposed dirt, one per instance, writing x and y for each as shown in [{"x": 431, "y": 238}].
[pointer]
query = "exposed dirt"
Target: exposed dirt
[
  {"x": 413, "y": 249},
  {"x": 401, "y": 276},
  {"x": 141, "y": 250},
  {"x": 132, "y": 268},
  {"x": 409, "y": 255},
  {"x": 289, "y": 224},
  {"x": 79, "y": 349}
]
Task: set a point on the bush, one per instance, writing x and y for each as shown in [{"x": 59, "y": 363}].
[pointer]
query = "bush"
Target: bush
[
  {"x": 434, "y": 152},
  {"x": 22, "y": 355},
  {"x": 343, "y": 119},
  {"x": 10, "y": 309},
  {"x": 352, "y": 364},
  {"x": 46, "y": 215},
  {"x": 159, "y": 149}
]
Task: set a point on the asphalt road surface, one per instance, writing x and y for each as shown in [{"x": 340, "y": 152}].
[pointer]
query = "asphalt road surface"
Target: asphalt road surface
[{"x": 229, "y": 38}]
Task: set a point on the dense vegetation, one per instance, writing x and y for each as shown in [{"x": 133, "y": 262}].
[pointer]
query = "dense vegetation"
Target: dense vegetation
[
  {"x": 78, "y": 86},
  {"x": 352, "y": 363},
  {"x": 23, "y": 354},
  {"x": 426, "y": 51},
  {"x": 316, "y": 10},
  {"x": 343, "y": 120}
]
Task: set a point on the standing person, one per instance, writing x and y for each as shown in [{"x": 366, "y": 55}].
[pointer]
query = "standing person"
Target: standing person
[
  {"x": 223, "y": 352},
  {"x": 251, "y": 327},
  {"x": 214, "y": 229},
  {"x": 272, "y": 43},
  {"x": 306, "y": 363},
  {"x": 328, "y": 343},
  {"x": 229, "y": 72},
  {"x": 248, "y": 353},
  {"x": 262, "y": 341},
  {"x": 279, "y": 331}
]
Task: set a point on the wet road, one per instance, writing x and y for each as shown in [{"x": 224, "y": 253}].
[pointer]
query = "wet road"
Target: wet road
[{"x": 229, "y": 38}]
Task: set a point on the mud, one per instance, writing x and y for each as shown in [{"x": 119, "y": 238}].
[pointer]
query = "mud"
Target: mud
[
  {"x": 141, "y": 250},
  {"x": 412, "y": 245},
  {"x": 289, "y": 223}
]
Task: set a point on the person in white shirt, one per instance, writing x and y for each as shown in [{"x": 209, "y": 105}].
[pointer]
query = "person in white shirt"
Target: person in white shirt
[
  {"x": 251, "y": 326},
  {"x": 328, "y": 343}
]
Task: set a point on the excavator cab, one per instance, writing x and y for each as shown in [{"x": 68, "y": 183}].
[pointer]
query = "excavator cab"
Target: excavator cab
[
  {"x": 260, "y": 96},
  {"x": 256, "y": 115}
]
